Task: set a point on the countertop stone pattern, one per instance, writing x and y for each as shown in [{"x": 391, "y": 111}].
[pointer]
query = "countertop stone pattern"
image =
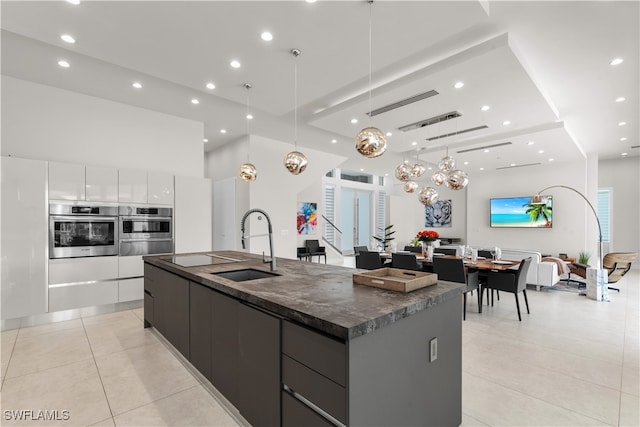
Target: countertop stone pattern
[{"x": 320, "y": 296}]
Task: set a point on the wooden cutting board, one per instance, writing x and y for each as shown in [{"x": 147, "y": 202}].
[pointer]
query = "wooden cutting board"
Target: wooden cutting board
[{"x": 395, "y": 279}]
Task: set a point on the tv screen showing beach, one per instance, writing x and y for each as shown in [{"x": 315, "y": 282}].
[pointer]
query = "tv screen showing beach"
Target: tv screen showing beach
[{"x": 519, "y": 212}]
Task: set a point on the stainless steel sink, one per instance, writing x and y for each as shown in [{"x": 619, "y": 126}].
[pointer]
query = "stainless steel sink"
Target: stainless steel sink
[{"x": 246, "y": 274}]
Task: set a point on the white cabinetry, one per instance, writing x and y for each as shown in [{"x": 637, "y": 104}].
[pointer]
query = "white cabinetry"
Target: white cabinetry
[
  {"x": 24, "y": 237},
  {"x": 192, "y": 215},
  {"x": 82, "y": 183},
  {"x": 136, "y": 186}
]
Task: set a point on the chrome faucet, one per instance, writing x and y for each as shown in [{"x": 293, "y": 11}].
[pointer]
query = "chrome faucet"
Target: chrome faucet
[{"x": 272, "y": 258}]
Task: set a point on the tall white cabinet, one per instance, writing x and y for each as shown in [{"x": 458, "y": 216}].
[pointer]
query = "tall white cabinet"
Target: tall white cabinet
[
  {"x": 138, "y": 186},
  {"x": 24, "y": 230},
  {"x": 82, "y": 183}
]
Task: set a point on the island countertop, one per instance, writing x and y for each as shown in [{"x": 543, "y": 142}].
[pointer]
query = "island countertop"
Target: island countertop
[{"x": 320, "y": 296}]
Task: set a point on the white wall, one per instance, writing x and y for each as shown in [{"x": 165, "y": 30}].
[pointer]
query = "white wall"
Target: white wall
[
  {"x": 622, "y": 176},
  {"x": 408, "y": 215},
  {"x": 570, "y": 211},
  {"x": 45, "y": 123},
  {"x": 275, "y": 191}
]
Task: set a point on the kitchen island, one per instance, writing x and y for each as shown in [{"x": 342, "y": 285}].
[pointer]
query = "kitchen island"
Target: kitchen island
[{"x": 306, "y": 346}]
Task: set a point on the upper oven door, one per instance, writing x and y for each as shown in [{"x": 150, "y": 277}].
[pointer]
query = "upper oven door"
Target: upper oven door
[
  {"x": 142, "y": 227},
  {"x": 81, "y": 236}
]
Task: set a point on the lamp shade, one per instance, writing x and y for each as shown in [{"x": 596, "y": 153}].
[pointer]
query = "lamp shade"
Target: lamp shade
[
  {"x": 439, "y": 178},
  {"x": 248, "y": 172},
  {"x": 403, "y": 172},
  {"x": 447, "y": 163},
  {"x": 370, "y": 142},
  {"x": 417, "y": 170},
  {"x": 295, "y": 162},
  {"x": 428, "y": 196},
  {"x": 457, "y": 179},
  {"x": 410, "y": 186}
]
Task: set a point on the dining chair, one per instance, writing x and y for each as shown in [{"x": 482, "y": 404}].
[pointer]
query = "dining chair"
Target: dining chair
[
  {"x": 314, "y": 249},
  {"x": 445, "y": 251},
  {"x": 368, "y": 260},
  {"x": 452, "y": 270},
  {"x": 417, "y": 249},
  {"x": 405, "y": 261},
  {"x": 485, "y": 253},
  {"x": 512, "y": 281},
  {"x": 357, "y": 249}
]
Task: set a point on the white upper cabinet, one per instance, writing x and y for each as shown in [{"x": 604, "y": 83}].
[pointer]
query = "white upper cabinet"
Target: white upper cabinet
[
  {"x": 77, "y": 182},
  {"x": 160, "y": 188},
  {"x": 66, "y": 181},
  {"x": 132, "y": 186},
  {"x": 101, "y": 184},
  {"x": 137, "y": 186}
]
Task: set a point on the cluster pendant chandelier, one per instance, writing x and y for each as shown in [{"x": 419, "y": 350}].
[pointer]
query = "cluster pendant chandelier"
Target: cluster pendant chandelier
[
  {"x": 295, "y": 161},
  {"x": 370, "y": 141},
  {"x": 248, "y": 171},
  {"x": 453, "y": 178}
]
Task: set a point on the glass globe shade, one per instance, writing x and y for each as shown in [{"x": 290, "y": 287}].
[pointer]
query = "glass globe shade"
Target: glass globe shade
[
  {"x": 410, "y": 186},
  {"x": 447, "y": 163},
  {"x": 457, "y": 179},
  {"x": 403, "y": 172},
  {"x": 295, "y": 162},
  {"x": 417, "y": 170},
  {"x": 428, "y": 196},
  {"x": 439, "y": 178},
  {"x": 370, "y": 142},
  {"x": 248, "y": 172}
]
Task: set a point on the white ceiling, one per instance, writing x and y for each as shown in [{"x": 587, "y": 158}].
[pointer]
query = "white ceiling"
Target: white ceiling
[{"x": 542, "y": 65}]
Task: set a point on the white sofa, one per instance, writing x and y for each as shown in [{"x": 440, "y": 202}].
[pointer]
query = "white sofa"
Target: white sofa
[{"x": 540, "y": 273}]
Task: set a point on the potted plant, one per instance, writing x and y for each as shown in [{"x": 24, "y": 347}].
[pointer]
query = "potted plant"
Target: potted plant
[
  {"x": 385, "y": 237},
  {"x": 583, "y": 257}
]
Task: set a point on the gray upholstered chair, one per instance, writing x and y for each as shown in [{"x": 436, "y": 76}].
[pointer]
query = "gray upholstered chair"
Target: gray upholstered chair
[
  {"x": 452, "y": 270},
  {"x": 512, "y": 281}
]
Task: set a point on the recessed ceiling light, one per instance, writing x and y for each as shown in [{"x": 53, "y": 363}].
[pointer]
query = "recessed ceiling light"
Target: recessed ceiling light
[
  {"x": 624, "y": 138},
  {"x": 540, "y": 151},
  {"x": 513, "y": 164},
  {"x": 137, "y": 85},
  {"x": 354, "y": 121},
  {"x": 361, "y": 170},
  {"x": 622, "y": 123},
  {"x": 466, "y": 163},
  {"x": 249, "y": 116},
  {"x": 406, "y": 162},
  {"x": 616, "y": 61},
  {"x": 389, "y": 134},
  {"x": 310, "y": 1},
  {"x": 624, "y": 154},
  {"x": 333, "y": 141},
  {"x": 67, "y": 38},
  {"x": 481, "y": 169},
  {"x": 195, "y": 101},
  {"x": 386, "y": 174},
  {"x": 621, "y": 99},
  {"x": 486, "y": 150},
  {"x": 506, "y": 123},
  {"x": 530, "y": 143},
  {"x": 429, "y": 168},
  {"x": 223, "y": 131},
  {"x": 458, "y": 85},
  {"x": 485, "y": 108},
  {"x": 266, "y": 36},
  {"x": 63, "y": 63},
  {"x": 551, "y": 159},
  {"x": 74, "y": 2},
  {"x": 205, "y": 140},
  {"x": 235, "y": 64},
  {"x": 414, "y": 143},
  {"x": 210, "y": 86}
]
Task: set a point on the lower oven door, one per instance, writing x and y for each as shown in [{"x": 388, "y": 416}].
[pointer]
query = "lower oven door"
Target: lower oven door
[
  {"x": 129, "y": 247},
  {"x": 82, "y": 236}
]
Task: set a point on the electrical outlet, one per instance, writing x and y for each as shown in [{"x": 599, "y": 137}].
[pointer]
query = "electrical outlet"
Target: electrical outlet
[{"x": 433, "y": 349}]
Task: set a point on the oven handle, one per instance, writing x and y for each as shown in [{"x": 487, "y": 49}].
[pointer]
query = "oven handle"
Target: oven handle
[
  {"x": 144, "y": 218},
  {"x": 83, "y": 217}
]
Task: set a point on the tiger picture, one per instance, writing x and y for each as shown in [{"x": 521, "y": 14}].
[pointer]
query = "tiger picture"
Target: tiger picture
[{"x": 438, "y": 214}]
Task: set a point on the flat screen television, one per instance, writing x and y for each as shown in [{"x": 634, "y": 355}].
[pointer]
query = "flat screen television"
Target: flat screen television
[{"x": 518, "y": 212}]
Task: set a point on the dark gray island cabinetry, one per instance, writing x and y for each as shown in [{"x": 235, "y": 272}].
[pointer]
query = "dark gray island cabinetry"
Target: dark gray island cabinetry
[{"x": 306, "y": 347}]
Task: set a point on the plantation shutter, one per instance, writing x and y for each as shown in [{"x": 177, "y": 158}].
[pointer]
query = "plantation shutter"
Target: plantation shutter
[{"x": 604, "y": 213}]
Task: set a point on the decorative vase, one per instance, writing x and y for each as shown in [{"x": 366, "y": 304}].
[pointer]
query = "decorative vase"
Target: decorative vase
[{"x": 427, "y": 249}]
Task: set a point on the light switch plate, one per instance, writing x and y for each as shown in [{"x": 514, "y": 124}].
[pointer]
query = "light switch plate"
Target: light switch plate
[{"x": 433, "y": 349}]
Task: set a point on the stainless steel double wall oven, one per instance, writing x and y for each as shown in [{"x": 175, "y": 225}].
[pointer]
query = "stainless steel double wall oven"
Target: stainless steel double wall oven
[
  {"x": 145, "y": 230},
  {"x": 96, "y": 230}
]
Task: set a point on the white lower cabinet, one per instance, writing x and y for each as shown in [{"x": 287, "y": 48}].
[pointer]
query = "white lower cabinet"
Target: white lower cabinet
[
  {"x": 131, "y": 283},
  {"x": 82, "y": 282},
  {"x": 131, "y": 289}
]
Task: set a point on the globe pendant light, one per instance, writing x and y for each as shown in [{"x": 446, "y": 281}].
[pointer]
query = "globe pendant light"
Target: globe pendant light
[
  {"x": 417, "y": 169},
  {"x": 428, "y": 196},
  {"x": 248, "y": 171},
  {"x": 457, "y": 179},
  {"x": 295, "y": 161},
  {"x": 370, "y": 141},
  {"x": 410, "y": 186},
  {"x": 439, "y": 178},
  {"x": 403, "y": 172},
  {"x": 447, "y": 163}
]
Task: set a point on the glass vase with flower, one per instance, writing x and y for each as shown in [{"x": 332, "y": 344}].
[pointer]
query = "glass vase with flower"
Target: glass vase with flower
[{"x": 427, "y": 239}]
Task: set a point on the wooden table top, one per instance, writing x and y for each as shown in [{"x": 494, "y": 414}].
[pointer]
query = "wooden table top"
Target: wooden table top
[{"x": 481, "y": 264}]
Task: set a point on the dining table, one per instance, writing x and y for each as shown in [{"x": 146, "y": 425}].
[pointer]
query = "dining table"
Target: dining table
[{"x": 481, "y": 263}]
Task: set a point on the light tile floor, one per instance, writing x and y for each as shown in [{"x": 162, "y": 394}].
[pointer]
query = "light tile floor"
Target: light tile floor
[{"x": 571, "y": 362}]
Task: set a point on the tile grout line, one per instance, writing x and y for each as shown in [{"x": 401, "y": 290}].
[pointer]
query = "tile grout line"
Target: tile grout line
[
  {"x": 95, "y": 363},
  {"x": 13, "y": 347}
]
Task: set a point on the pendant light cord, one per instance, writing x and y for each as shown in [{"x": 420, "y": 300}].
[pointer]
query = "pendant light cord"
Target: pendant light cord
[
  {"x": 370, "y": 54},
  {"x": 248, "y": 86},
  {"x": 295, "y": 101}
]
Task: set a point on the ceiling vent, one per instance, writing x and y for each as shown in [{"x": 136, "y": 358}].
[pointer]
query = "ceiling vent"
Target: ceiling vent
[
  {"x": 432, "y": 121},
  {"x": 519, "y": 166},
  {"x": 402, "y": 103},
  {"x": 445, "y": 135},
  {"x": 485, "y": 147}
]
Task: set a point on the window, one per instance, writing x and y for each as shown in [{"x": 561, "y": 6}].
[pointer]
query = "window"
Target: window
[{"x": 604, "y": 213}]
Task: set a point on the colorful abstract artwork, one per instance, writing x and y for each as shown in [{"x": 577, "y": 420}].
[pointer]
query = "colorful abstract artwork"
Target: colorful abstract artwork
[{"x": 307, "y": 218}]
